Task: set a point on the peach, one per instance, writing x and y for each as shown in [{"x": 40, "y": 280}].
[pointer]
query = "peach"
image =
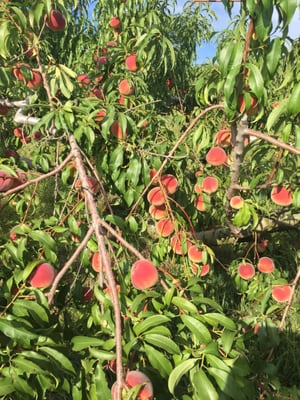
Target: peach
[
  {"x": 202, "y": 202},
  {"x": 11, "y": 153},
  {"x": 3, "y": 110},
  {"x": 210, "y": 184},
  {"x": 130, "y": 63},
  {"x": 97, "y": 92},
  {"x": 158, "y": 212},
  {"x": 101, "y": 114},
  {"x": 101, "y": 60},
  {"x": 170, "y": 183},
  {"x": 156, "y": 196},
  {"x": 223, "y": 138},
  {"x": 180, "y": 243},
  {"x": 42, "y": 276},
  {"x": 97, "y": 262},
  {"x": 19, "y": 69},
  {"x": 169, "y": 83},
  {"x": 252, "y": 107},
  {"x": 143, "y": 274},
  {"x": 246, "y": 271},
  {"x": 55, "y": 21},
  {"x": 126, "y": 88},
  {"x": 36, "y": 80},
  {"x": 266, "y": 265},
  {"x": 236, "y": 202},
  {"x": 165, "y": 227},
  {"x": 8, "y": 181},
  {"x": 114, "y": 23},
  {"x": 87, "y": 293},
  {"x": 262, "y": 245},
  {"x": 281, "y": 293},
  {"x": 152, "y": 173},
  {"x": 281, "y": 196},
  {"x": 204, "y": 269},
  {"x": 83, "y": 80},
  {"x": 117, "y": 131},
  {"x": 134, "y": 378},
  {"x": 195, "y": 254},
  {"x": 216, "y": 156},
  {"x": 198, "y": 188},
  {"x": 112, "y": 43},
  {"x": 92, "y": 182}
]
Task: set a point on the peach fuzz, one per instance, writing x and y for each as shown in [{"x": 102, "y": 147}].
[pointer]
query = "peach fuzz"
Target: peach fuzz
[
  {"x": 42, "y": 276},
  {"x": 117, "y": 131},
  {"x": 281, "y": 196},
  {"x": 216, "y": 156},
  {"x": 130, "y": 63},
  {"x": 170, "y": 183},
  {"x": 143, "y": 274},
  {"x": 246, "y": 271},
  {"x": 236, "y": 202},
  {"x": 134, "y": 378},
  {"x": 223, "y": 138},
  {"x": 180, "y": 243},
  {"x": 165, "y": 227},
  {"x": 56, "y": 21},
  {"x": 158, "y": 212},
  {"x": 156, "y": 196},
  {"x": 281, "y": 293},
  {"x": 195, "y": 254},
  {"x": 266, "y": 265},
  {"x": 126, "y": 88},
  {"x": 210, "y": 184}
]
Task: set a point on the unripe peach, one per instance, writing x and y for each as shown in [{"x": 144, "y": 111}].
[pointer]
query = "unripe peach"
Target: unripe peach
[
  {"x": 236, "y": 202},
  {"x": 42, "y": 276}
]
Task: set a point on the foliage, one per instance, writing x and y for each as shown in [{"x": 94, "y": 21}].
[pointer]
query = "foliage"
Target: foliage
[{"x": 78, "y": 161}]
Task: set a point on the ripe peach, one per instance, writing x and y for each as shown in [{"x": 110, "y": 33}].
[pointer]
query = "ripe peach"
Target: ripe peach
[
  {"x": 165, "y": 227},
  {"x": 101, "y": 114},
  {"x": 97, "y": 262},
  {"x": 153, "y": 172},
  {"x": 266, "y": 265},
  {"x": 126, "y": 88},
  {"x": 210, "y": 184},
  {"x": 170, "y": 183},
  {"x": 92, "y": 182},
  {"x": 198, "y": 188},
  {"x": 117, "y": 131},
  {"x": 246, "y": 271},
  {"x": 55, "y": 21},
  {"x": 134, "y": 378},
  {"x": 83, "y": 80},
  {"x": 156, "y": 196},
  {"x": 42, "y": 276},
  {"x": 112, "y": 43},
  {"x": 130, "y": 63},
  {"x": 204, "y": 269},
  {"x": 216, "y": 156},
  {"x": 11, "y": 153},
  {"x": 114, "y": 23},
  {"x": 143, "y": 274},
  {"x": 262, "y": 245},
  {"x": 3, "y": 110},
  {"x": 36, "y": 80},
  {"x": 281, "y": 293},
  {"x": 223, "y": 138},
  {"x": 252, "y": 107},
  {"x": 236, "y": 202},
  {"x": 180, "y": 243},
  {"x": 281, "y": 196},
  {"x": 158, "y": 212},
  {"x": 19, "y": 69},
  {"x": 87, "y": 293},
  {"x": 202, "y": 202},
  {"x": 195, "y": 254},
  {"x": 8, "y": 181},
  {"x": 101, "y": 60}
]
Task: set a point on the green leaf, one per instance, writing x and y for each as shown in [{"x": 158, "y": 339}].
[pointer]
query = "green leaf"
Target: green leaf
[
  {"x": 293, "y": 105},
  {"x": 287, "y": 10},
  {"x": 276, "y": 114},
  {"x": 38, "y": 312},
  {"x": 16, "y": 330},
  {"x": 6, "y": 386},
  {"x": 150, "y": 322},
  {"x": 60, "y": 358},
  {"x": 82, "y": 342},
  {"x": 178, "y": 372},
  {"x": 197, "y": 328},
  {"x": 116, "y": 220},
  {"x": 27, "y": 366},
  {"x": 227, "y": 383},
  {"x": 216, "y": 319},
  {"x": 184, "y": 304},
  {"x": 4, "y": 79},
  {"x": 44, "y": 238},
  {"x": 256, "y": 81},
  {"x": 158, "y": 361},
  {"x": 273, "y": 56},
  {"x": 162, "y": 342},
  {"x": 133, "y": 171},
  {"x": 204, "y": 386},
  {"x": 227, "y": 339}
]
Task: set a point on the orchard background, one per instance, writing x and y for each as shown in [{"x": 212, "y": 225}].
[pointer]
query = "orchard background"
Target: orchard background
[{"x": 149, "y": 205}]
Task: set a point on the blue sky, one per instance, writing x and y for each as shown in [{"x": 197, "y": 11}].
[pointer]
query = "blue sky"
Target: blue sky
[{"x": 207, "y": 50}]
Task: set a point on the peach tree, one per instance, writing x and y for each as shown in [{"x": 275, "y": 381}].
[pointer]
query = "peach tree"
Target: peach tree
[{"x": 149, "y": 205}]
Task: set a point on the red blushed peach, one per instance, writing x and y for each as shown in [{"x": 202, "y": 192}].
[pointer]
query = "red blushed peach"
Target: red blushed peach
[
  {"x": 114, "y": 23},
  {"x": 92, "y": 182},
  {"x": 126, "y": 88},
  {"x": 262, "y": 245},
  {"x": 83, "y": 80},
  {"x": 3, "y": 110},
  {"x": 130, "y": 63},
  {"x": 223, "y": 138},
  {"x": 158, "y": 212},
  {"x": 180, "y": 243},
  {"x": 143, "y": 274},
  {"x": 281, "y": 196},
  {"x": 204, "y": 269},
  {"x": 266, "y": 265},
  {"x": 202, "y": 202},
  {"x": 56, "y": 21},
  {"x": 36, "y": 80},
  {"x": 281, "y": 293},
  {"x": 246, "y": 271},
  {"x": 117, "y": 131},
  {"x": 156, "y": 196},
  {"x": 210, "y": 184},
  {"x": 170, "y": 183},
  {"x": 138, "y": 378},
  {"x": 165, "y": 227},
  {"x": 152, "y": 173},
  {"x": 8, "y": 181},
  {"x": 216, "y": 156},
  {"x": 101, "y": 114},
  {"x": 97, "y": 262},
  {"x": 112, "y": 43},
  {"x": 19, "y": 69},
  {"x": 236, "y": 202},
  {"x": 195, "y": 254},
  {"x": 42, "y": 276},
  {"x": 198, "y": 188},
  {"x": 252, "y": 108},
  {"x": 87, "y": 293}
]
